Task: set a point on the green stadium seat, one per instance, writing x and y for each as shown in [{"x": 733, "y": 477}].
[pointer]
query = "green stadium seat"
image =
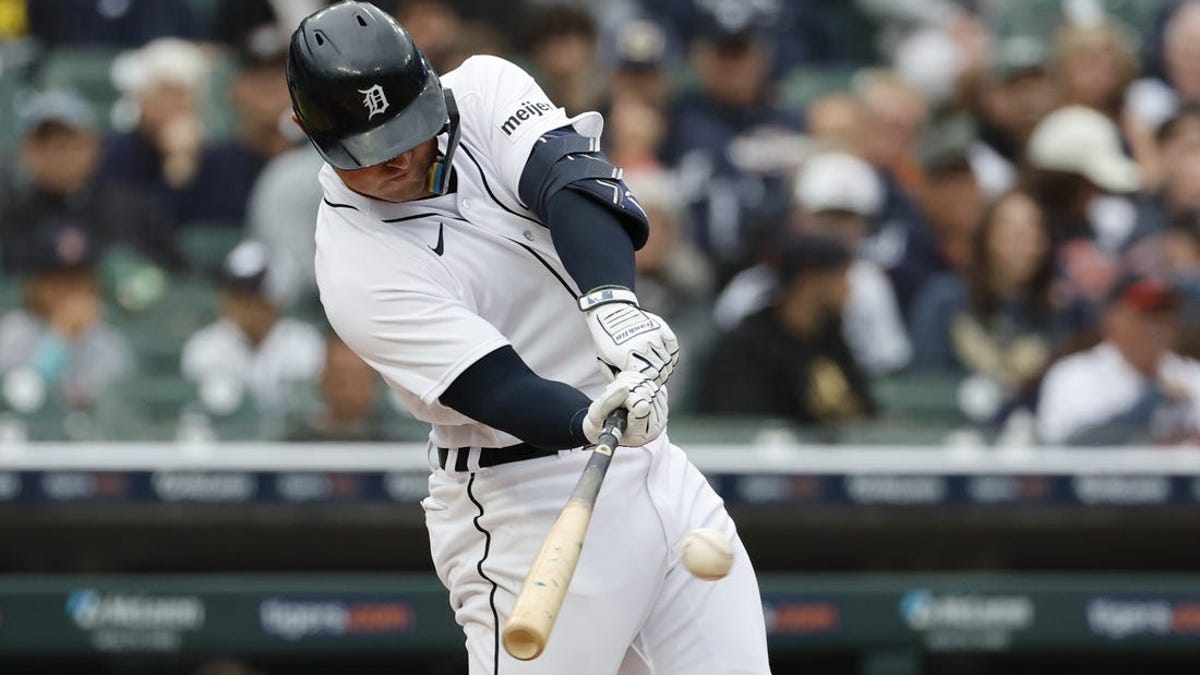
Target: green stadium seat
[
  {"x": 144, "y": 407},
  {"x": 158, "y": 332},
  {"x": 207, "y": 244},
  {"x": 87, "y": 71},
  {"x": 12, "y": 292},
  {"x": 804, "y": 84},
  {"x": 920, "y": 398}
]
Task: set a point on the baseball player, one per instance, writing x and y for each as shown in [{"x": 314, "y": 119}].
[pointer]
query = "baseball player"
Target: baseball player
[{"x": 476, "y": 249}]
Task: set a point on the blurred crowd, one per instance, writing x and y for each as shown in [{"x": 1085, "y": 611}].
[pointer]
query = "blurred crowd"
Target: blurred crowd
[{"x": 939, "y": 213}]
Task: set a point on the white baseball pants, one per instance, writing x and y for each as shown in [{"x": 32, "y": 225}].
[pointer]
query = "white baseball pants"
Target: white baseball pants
[{"x": 632, "y": 608}]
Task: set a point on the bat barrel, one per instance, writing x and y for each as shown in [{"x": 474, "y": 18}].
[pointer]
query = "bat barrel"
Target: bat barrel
[{"x": 536, "y": 609}]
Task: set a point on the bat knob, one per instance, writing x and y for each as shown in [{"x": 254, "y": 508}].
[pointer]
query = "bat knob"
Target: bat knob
[{"x": 522, "y": 642}]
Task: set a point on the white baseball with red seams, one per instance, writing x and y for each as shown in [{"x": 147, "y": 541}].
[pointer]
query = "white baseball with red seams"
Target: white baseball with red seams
[{"x": 706, "y": 553}]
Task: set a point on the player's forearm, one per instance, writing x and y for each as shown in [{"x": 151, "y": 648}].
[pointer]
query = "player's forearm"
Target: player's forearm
[
  {"x": 501, "y": 391},
  {"x": 591, "y": 241}
]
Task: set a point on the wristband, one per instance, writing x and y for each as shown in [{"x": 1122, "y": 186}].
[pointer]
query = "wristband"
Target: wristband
[{"x": 605, "y": 295}]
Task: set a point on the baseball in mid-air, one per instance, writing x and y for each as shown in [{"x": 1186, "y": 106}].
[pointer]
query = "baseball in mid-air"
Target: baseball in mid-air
[{"x": 706, "y": 553}]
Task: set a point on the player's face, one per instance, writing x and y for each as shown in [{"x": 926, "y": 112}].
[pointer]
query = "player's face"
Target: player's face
[{"x": 400, "y": 179}]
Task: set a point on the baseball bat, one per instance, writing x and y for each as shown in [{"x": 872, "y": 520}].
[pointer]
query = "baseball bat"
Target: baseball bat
[{"x": 541, "y": 596}]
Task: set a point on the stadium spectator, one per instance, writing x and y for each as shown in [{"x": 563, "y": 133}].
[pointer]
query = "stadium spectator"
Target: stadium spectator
[
  {"x": 674, "y": 280},
  {"x": 348, "y": 393},
  {"x": 59, "y": 338},
  {"x": 904, "y": 244},
  {"x": 251, "y": 343},
  {"x": 836, "y": 119},
  {"x": 1153, "y": 100},
  {"x": 435, "y": 26},
  {"x": 282, "y": 215},
  {"x": 237, "y": 23},
  {"x": 797, "y": 33},
  {"x": 995, "y": 316},
  {"x": 561, "y": 42},
  {"x": 735, "y": 205},
  {"x": 1131, "y": 388},
  {"x": 264, "y": 115},
  {"x": 1074, "y": 159},
  {"x": 1094, "y": 65},
  {"x": 836, "y": 195},
  {"x": 129, "y": 23},
  {"x": 57, "y": 187},
  {"x": 789, "y": 359},
  {"x": 167, "y": 153},
  {"x": 949, "y": 194},
  {"x": 1012, "y": 98},
  {"x": 637, "y": 91},
  {"x": 1173, "y": 184},
  {"x": 641, "y": 68}
]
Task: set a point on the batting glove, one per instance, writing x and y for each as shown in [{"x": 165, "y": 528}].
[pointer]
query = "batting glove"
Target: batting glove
[
  {"x": 628, "y": 338},
  {"x": 642, "y": 397}
]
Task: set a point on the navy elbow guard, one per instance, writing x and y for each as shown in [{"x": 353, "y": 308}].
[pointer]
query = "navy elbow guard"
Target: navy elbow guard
[{"x": 563, "y": 159}]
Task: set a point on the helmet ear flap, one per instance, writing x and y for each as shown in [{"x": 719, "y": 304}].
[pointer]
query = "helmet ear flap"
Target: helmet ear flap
[{"x": 440, "y": 176}]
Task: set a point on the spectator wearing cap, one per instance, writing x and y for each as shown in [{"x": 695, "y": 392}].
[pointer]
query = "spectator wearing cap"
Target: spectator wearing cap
[
  {"x": 58, "y": 344},
  {"x": 995, "y": 316},
  {"x": 1014, "y": 95},
  {"x": 1132, "y": 388},
  {"x": 641, "y": 63},
  {"x": 57, "y": 188},
  {"x": 1073, "y": 157},
  {"x": 797, "y": 33},
  {"x": 788, "y": 359},
  {"x": 637, "y": 91},
  {"x": 129, "y": 23},
  {"x": 237, "y": 23},
  {"x": 737, "y": 198},
  {"x": 949, "y": 193},
  {"x": 263, "y": 107},
  {"x": 1080, "y": 177},
  {"x": 836, "y": 195},
  {"x": 251, "y": 344},
  {"x": 167, "y": 153}
]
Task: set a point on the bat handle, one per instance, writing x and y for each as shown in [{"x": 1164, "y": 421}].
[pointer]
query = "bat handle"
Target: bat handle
[{"x": 610, "y": 435}]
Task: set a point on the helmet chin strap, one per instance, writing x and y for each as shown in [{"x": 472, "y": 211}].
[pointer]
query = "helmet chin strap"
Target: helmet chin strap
[{"x": 438, "y": 179}]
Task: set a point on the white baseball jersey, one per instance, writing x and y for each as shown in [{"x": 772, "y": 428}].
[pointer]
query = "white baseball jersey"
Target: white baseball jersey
[{"x": 423, "y": 289}]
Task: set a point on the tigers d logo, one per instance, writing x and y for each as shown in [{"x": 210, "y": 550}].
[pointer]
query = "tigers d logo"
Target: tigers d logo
[{"x": 374, "y": 100}]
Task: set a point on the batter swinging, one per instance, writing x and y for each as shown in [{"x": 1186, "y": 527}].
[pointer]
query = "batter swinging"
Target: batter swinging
[{"x": 476, "y": 248}]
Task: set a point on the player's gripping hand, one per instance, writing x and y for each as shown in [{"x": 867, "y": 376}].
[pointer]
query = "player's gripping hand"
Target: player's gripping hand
[
  {"x": 628, "y": 338},
  {"x": 642, "y": 397}
]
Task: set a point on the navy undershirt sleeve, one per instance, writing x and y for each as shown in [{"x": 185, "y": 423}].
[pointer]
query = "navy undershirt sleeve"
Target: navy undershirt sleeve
[
  {"x": 591, "y": 241},
  {"x": 501, "y": 391}
]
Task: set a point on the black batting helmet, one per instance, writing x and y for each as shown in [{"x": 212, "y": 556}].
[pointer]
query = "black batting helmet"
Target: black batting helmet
[{"x": 362, "y": 90}]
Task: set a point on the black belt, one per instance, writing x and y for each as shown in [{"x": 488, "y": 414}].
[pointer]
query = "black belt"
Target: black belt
[{"x": 489, "y": 457}]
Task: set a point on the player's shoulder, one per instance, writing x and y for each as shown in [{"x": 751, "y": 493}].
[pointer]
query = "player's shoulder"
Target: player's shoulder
[{"x": 482, "y": 71}]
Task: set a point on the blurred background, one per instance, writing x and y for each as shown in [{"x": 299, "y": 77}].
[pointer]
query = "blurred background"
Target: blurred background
[{"x": 934, "y": 265}]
